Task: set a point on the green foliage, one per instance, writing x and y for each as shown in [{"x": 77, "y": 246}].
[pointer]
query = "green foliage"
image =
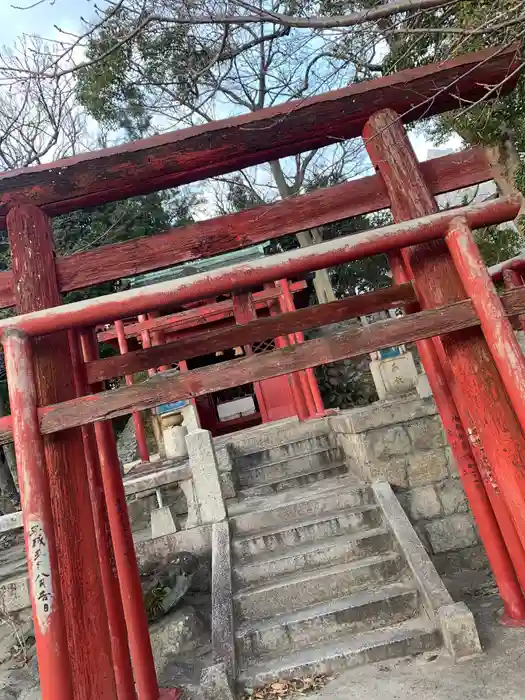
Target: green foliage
[
  {"x": 352, "y": 277},
  {"x": 114, "y": 89},
  {"x": 498, "y": 244},
  {"x": 493, "y": 122}
]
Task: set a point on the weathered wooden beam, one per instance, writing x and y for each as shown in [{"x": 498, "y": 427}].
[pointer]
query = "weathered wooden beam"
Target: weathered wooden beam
[
  {"x": 288, "y": 265},
  {"x": 352, "y": 343},
  {"x": 173, "y": 386},
  {"x": 517, "y": 263},
  {"x": 234, "y": 231},
  {"x": 200, "y": 316},
  {"x": 255, "y": 331},
  {"x": 208, "y": 150}
]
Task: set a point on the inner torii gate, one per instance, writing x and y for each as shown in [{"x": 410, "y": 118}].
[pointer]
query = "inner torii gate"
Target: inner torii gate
[
  {"x": 277, "y": 398},
  {"x": 90, "y": 626}
]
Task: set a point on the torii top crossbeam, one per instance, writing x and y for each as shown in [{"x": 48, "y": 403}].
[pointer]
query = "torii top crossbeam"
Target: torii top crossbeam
[{"x": 220, "y": 147}]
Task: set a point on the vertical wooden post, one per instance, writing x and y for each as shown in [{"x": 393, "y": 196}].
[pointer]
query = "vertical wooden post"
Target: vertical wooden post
[
  {"x": 244, "y": 311},
  {"x": 312, "y": 394},
  {"x": 297, "y": 378},
  {"x": 512, "y": 279},
  {"x": 41, "y": 551},
  {"x": 437, "y": 283},
  {"x": 106, "y": 556},
  {"x": 124, "y": 548},
  {"x": 35, "y": 288},
  {"x": 294, "y": 383},
  {"x": 158, "y": 338},
  {"x": 138, "y": 419},
  {"x": 495, "y": 325},
  {"x": 146, "y": 340},
  {"x": 496, "y": 529}
]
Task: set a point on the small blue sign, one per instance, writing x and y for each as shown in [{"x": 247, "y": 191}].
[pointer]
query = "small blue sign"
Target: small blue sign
[{"x": 168, "y": 407}]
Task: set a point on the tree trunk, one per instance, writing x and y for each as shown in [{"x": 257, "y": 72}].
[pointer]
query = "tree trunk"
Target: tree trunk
[
  {"x": 323, "y": 286},
  {"x": 504, "y": 159}
]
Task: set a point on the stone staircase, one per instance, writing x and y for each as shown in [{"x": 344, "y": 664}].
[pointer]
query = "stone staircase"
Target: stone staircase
[
  {"x": 287, "y": 456},
  {"x": 319, "y": 580}
]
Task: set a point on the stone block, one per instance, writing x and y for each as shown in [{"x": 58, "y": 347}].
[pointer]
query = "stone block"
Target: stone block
[
  {"x": 453, "y": 497},
  {"x": 427, "y": 467},
  {"x": 384, "y": 443},
  {"x": 14, "y": 595},
  {"x": 227, "y": 485},
  {"x": 179, "y": 632},
  {"x": 423, "y": 387},
  {"x": 394, "y": 376},
  {"x": 190, "y": 417},
  {"x": 452, "y": 464},
  {"x": 467, "y": 559},
  {"x": 426, "y": 433},
  {"x": 224, "y": 459},
  {"x": 459, "y": 631},
  {"x": 423, "y": 503},
  {"x": 381, "y": 414},
  {"x": 454, "y": 532},
  {"x": 394, "y": 471},
  {"x": 174, "y": 437},
  {"x": 214, "y": 684},
  {"x": 163, "y": 522},
  {"x": 203, "y": 465},
  {"x": 188, "y": 489}
]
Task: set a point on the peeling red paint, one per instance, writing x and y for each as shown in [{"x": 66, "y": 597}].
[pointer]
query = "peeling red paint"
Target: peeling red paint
[
  {"x": 42, "y": 558},
  {"x": 291, "y": 264}
]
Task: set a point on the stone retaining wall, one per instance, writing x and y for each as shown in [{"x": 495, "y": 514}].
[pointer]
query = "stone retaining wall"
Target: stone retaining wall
[{"x": 403, "y": 442}]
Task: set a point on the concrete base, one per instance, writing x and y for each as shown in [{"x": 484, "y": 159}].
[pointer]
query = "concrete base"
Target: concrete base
[{"x": 163, "y": 522}]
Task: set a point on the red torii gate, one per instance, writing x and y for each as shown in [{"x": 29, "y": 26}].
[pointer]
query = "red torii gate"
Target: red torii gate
[
  {"x": 277, "y": 397},
  {"x": 90, "y": 626}
]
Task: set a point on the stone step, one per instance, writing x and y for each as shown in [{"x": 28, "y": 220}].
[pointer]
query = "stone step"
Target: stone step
[
  {"x": 280, "y": 537},
  {"x": 272, "y": 435},
  {"x": 299, "y": 590},
  {"x": 336, "y": 550},
  {"x": 295, "y": 481},
  {"x": 408, "y": 638},
  {"x": 284, "y": 469},
  {"x": 290, "y": 507},
  {"x": 14, "y": 593},
  {"x": 360, "y": 612},
  {"x": 286, "y": 451}
]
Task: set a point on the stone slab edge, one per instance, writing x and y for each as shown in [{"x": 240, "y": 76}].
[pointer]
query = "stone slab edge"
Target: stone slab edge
[
  {"x": 279, "y": 433},
  {"x": 222, "y": 620},
  {"x": 381, "y": 414},
  {"x": 455, "y": 620}
]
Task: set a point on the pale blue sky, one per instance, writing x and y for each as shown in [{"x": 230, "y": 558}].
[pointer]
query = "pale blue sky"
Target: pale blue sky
[
  {"x": 66, "y": 14},
  {"x": 40, "y": 19}
]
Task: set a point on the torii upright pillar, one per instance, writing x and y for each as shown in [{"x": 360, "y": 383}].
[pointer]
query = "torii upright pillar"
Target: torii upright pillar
[{"x": 437, "y": 283}]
